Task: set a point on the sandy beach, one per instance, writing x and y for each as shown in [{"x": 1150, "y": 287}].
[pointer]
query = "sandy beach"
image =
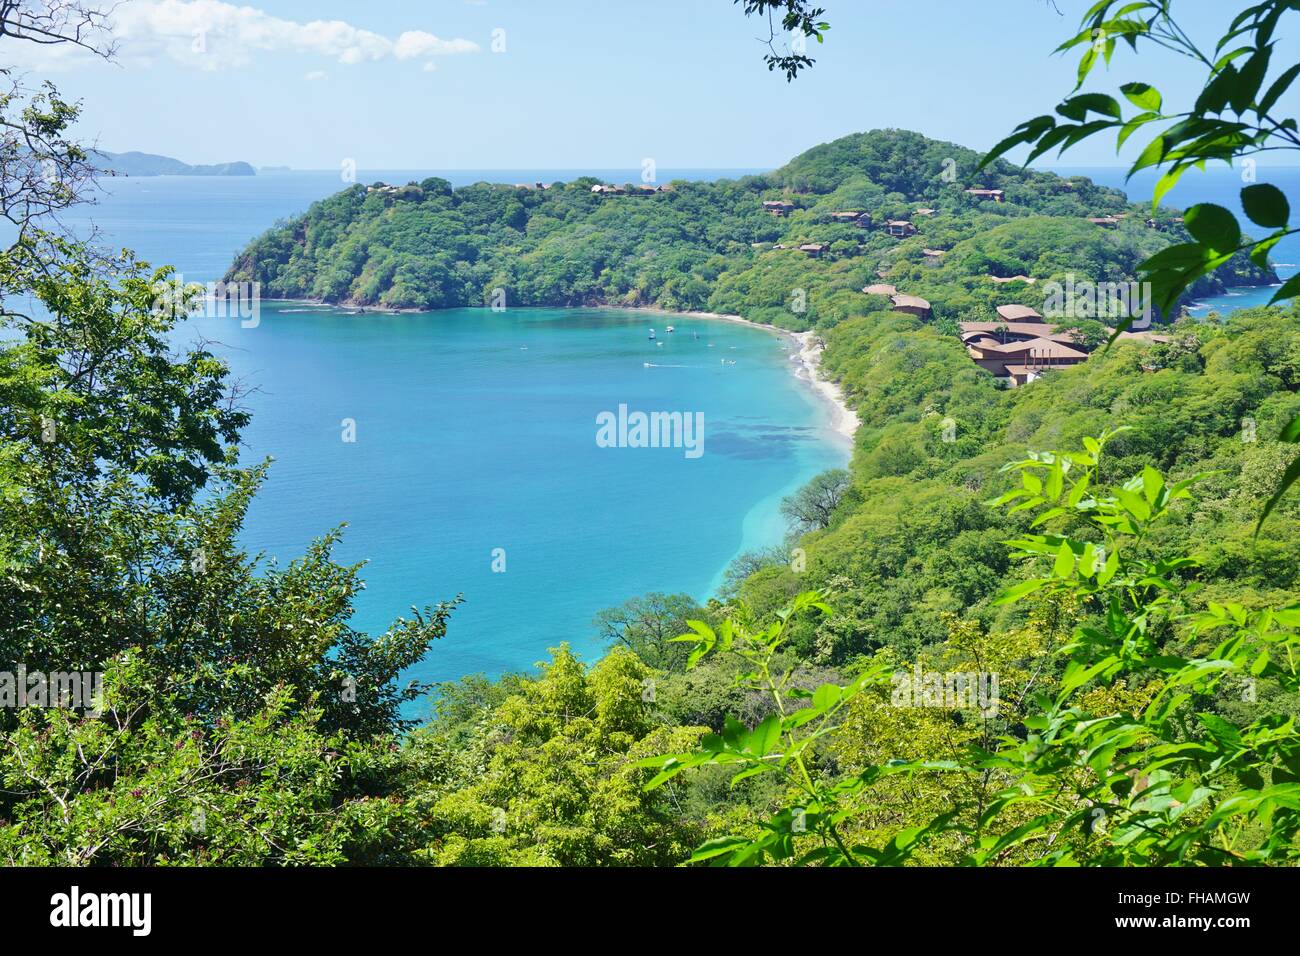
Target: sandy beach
[{"x": 805, "y": 361}]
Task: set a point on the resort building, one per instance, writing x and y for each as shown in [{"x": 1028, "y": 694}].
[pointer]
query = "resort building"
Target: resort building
[
  {"x": 860, "y": 219},
  {"x": 912, "y": 305},
  {"x": 1000, "y": 280},
  {"x": 1019, "y": 347},
  {"x": 1019, "y": 362},
  {"x": 997, "y": 195},
  {"x": 1018, "y": 313},
  {"x": 778, "y": 207},
  {"x": 900, "y": 228},
  {"x": 812, "y": 249}
]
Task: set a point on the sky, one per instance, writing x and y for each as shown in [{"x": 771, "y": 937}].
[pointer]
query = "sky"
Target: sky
[{"x": 559, "y": 84}]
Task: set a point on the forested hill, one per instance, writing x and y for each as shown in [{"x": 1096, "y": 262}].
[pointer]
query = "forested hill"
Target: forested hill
[{"x": 714, "y": 246}]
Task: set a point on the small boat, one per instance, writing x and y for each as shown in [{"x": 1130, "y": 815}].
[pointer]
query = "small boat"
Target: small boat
[
  {"x": 671, "y": 329},
  {"x": 652, "y": 333},
  {"x": 659, "y": 344}
]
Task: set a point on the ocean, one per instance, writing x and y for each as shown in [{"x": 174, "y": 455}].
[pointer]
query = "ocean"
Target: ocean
[{"x": 460, "y": 447}]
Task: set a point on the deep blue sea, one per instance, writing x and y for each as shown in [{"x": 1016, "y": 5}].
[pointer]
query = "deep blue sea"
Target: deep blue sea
[{"x": 476, "y": 431}]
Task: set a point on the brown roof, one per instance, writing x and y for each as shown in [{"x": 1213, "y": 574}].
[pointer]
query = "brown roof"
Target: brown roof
[
  {"x": 1030, "y": 329},
  {"x": 910, "y": 302},
  {"x": 1019, "y": 313},
  {"x": 897, "y": 222},
  {"x": 880, "y": 288},
  {"x": 1044, "y": 348}
]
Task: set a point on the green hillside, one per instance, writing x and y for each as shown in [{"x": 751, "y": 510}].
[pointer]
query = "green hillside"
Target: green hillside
[{"x": 710, "y": 246}]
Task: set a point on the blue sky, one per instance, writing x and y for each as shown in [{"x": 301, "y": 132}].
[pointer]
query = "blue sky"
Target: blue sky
[{"x": 398, "y": 84}]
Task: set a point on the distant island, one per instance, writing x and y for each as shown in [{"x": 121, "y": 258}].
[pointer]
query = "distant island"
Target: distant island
[{"x": 149, "y": 164}]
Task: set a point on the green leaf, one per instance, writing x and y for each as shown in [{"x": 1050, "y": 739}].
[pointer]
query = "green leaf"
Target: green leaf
[
  {"x": 1213, "y": 226},
  {"x": 1027, "y": 132},
  {"x": 1291, "y": 432},
  {"x": 1078, "y": 107},
  {"x": 1278, "y": 88},
  {"x": 1152, "y": 483},
  {"x": 717, "y": 847},
  {"x": 1266, "y": 205},
  {"x": 1290, "y": 289},
  {"x": 1016, "y": 592},
  {"x": 1142, "y": 95},
  {"x": 1064, "y": 565},
  {"x": 1289, "y": 478},
  {"x": 765, "y": 736}
]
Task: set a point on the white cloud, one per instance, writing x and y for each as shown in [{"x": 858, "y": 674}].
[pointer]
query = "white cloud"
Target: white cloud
[
  {"x": 214, "y": 35},
  {"x": 415, "y": 43},
  {"x": 315, "y": 75}
]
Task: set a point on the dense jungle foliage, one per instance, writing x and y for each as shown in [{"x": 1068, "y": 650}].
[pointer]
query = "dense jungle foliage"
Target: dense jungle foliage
[{"x": 711, "y": 246}]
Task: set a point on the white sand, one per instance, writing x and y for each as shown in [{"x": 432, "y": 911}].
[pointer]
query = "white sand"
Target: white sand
[{"x": 806, "y": 365}]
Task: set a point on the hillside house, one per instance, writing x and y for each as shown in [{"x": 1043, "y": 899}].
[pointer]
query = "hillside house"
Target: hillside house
[
  {"x": 1021, "y": 361},
  {"x": 912, "y": 305},
  {"x": 812, "y": 249},
  {"x": 899, "y": 228},
  {"x": 997, "y": 195},
  {"x": 1018, "y": 313},
  {"x": 778, "y": 207},
  {"x": 852, "y": 218}
]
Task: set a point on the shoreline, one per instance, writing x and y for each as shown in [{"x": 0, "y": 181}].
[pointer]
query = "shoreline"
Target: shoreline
[{"x": 806, "y": 362}]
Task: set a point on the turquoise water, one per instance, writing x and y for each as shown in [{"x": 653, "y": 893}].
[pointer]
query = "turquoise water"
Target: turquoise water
[{"x": 476, "y": 431}]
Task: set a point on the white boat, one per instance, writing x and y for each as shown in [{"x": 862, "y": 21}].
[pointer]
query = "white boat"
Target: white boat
[
  {"x": 671, "y": 329},
  {"x": 652, "y": 333}
]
